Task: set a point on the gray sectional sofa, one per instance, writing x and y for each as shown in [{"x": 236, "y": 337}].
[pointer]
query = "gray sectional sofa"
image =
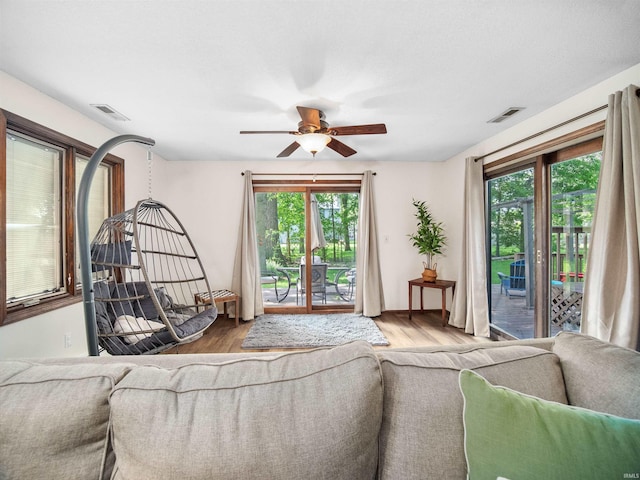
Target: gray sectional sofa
[{"x": 348, "y": 412}]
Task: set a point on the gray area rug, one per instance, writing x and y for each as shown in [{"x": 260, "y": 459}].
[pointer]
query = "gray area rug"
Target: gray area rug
[{"x": 300, "y": 331}]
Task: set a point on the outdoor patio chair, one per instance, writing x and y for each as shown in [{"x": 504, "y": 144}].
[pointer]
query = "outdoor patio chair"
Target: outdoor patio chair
[
  {"x": 347, "y": 292},
  {"x": 272, "y": 277},
  {"x": 318, "y": 281},
  {"x": 515, "y": 281}
]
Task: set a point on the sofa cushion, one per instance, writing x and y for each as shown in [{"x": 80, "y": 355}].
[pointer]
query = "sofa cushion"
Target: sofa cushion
[
  {"x": 517, "y": 436},
  {"x": 422, "y": 429},
  {"x": 54, "y": 419},
  {"x": 599, "y": 375},
  {"x": 313, "y": 414}
]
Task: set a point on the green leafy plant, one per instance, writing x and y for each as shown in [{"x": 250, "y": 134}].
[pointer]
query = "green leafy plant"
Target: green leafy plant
[{"x": 429, "y": 238}]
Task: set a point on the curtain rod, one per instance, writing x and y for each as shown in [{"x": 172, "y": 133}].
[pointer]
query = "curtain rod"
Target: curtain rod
[
  {"x": 547, "y": 130},
  {"x": 310, "y": 174}
]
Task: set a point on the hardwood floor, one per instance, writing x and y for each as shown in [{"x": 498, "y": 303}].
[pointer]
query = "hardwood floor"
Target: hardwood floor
[{"x": 422, "y": 330}]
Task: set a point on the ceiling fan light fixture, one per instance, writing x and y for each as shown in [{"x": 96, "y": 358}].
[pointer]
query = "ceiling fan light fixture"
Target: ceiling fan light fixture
[
  {"x": 314, "y": 134},
  {"x": 313, "y": 142}
]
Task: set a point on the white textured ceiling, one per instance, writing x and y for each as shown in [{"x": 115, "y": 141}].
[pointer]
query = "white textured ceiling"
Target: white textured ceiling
[{"x": 192, "y": 74}]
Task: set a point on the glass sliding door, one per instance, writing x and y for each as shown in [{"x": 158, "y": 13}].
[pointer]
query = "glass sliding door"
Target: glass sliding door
[
  {"x": 511, "y": 231},
  {"x": 539, "y": 217},
  {"x": 573, "y": 197},
  {"x": 306, "y": 244},
  {"x": 280, "y": 228},
  {"x": 333, "y": 228}
]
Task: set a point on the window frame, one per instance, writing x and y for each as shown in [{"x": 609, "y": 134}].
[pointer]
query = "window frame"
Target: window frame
[
  {"x": 71, "y": 148},
  {"x": 540, "y": 157}
]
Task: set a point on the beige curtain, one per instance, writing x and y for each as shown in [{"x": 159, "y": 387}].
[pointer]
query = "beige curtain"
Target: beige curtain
[
  {"x": 470, "y": 309},
  {"x": 246, "y": 272},
  {"x": 369, "y": 295},
  {"x": 611, "y": 303}
]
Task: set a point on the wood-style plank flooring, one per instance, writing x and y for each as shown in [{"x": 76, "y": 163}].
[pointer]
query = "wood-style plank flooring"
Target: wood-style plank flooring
[{"x": 424, "y": 329}]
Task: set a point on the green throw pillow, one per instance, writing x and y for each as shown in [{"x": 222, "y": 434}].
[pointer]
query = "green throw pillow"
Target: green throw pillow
[{"x": 519, "y": 437}]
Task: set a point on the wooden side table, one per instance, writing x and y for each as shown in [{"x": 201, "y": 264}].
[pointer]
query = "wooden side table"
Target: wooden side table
[
  {"x": 220, "y": 296},
  {"x": 442, "y": 285}
]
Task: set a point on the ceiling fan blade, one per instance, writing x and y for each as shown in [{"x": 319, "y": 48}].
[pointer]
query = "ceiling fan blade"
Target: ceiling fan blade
[
  {"x": 269, "y": 131},
  {"x": 359, "y": 129},
  {"x": 341, "y": 148},
  {"x": 310, "y": 116},
  {"x": 289, "y": 150}
]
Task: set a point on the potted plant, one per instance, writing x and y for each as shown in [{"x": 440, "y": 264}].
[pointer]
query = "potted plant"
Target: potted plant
[{"x": 429, "y": 239}]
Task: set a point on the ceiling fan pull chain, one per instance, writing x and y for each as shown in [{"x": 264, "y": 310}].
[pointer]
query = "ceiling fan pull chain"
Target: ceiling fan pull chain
[{"x": 149, "y": 165}]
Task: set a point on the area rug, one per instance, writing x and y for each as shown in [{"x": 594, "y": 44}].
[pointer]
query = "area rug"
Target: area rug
[{"x": 302, "y": 331}]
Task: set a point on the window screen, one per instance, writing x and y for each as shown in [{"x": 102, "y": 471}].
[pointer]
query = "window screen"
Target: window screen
[{"x": 34, "y": 226}]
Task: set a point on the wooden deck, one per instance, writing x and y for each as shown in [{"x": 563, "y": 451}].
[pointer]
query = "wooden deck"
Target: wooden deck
[
  {"x": 512, "y": 315},
  {"x": 422, "y": 330}
]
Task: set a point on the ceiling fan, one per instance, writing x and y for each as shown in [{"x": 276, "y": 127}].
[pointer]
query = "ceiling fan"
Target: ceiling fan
[{"x": 314, "y": 133}]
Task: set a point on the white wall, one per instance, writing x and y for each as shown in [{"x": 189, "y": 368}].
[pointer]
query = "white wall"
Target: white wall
[
  {"x": 211, "y": 211},
  {"x": 206, "y": 196},
  {"x": 43, "y": 335}
]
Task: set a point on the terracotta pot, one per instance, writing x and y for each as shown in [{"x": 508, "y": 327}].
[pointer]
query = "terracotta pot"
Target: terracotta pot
[{"x": 429, "y": 275}]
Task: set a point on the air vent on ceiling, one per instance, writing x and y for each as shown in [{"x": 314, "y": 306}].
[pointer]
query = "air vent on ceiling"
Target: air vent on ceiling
[
  {"x": 509, "y": 112},
  {"x": 112, "y": 112}
]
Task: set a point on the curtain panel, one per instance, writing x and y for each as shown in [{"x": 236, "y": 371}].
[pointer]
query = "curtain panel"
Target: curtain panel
[
  {"x": 369, "y": 294},
  {"x": 611, "y": 303},
  {"x": 470, "y": 309},
  {"x": 246, "y": 271}
]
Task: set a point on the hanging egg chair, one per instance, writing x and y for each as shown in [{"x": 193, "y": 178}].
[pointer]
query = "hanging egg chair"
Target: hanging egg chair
[
  {"x": 147, "y": 277},
  {"x": 141, "y": 275}
]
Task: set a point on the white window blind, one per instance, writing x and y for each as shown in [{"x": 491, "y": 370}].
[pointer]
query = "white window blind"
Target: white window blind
[
  {"x": 99, "y": 205},
  {"x": 34, "y": 229}
]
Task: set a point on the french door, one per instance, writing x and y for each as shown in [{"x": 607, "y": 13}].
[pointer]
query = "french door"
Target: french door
[
  {"x": 307, "y": 237},
  {"x": 539, "y": 216}
]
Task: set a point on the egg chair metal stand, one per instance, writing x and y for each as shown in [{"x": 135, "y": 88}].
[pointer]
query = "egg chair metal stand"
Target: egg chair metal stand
[{"x": 140, "y": 276}]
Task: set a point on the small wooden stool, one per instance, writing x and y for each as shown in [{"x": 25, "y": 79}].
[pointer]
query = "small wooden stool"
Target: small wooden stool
[{"x": 220, "y": 296}]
